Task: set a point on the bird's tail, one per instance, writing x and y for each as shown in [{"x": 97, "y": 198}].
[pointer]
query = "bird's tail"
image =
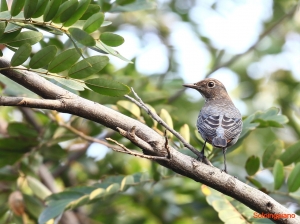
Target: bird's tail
[{"x": 219, "y": 142}]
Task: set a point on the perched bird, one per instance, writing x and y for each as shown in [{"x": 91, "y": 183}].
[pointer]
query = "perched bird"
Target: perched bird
[{"x": 219, "y": 121}]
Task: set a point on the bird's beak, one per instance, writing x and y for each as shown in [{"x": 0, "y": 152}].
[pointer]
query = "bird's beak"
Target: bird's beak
[{"x": 190, "y": 85}]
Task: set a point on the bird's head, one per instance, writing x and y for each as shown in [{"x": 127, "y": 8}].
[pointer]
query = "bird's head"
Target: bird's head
[{"x": 209, "y": 88}]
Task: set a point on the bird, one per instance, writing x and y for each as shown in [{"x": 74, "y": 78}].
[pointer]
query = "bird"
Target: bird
[{"x": 219, "y": 121}]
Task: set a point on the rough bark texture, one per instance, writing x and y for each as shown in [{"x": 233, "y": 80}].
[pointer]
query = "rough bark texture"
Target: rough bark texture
[{"x": 57, "y": 98}]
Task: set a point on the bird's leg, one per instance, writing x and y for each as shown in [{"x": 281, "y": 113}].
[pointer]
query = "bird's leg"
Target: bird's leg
[
  {"x": 202, "y": 153},
  {"x": 224, "y": 154}
]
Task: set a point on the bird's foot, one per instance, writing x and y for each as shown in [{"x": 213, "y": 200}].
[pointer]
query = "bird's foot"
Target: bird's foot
[{"x": 224, "y": 170}]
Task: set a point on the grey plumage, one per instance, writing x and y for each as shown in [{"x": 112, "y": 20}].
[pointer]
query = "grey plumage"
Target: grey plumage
[{"x": 219, "y": 121}]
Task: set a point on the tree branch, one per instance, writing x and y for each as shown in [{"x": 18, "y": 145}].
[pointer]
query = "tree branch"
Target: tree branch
[{"x": 147, "y": 139}]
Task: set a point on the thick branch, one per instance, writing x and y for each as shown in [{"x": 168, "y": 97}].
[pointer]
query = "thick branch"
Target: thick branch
[{"x": 144, "y": 137}]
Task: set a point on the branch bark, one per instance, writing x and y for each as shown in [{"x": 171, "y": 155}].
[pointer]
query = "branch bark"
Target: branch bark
[{"x": 57, "y": 98}]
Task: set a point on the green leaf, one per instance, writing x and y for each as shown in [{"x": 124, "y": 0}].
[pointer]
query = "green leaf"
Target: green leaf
[
  {"x": 40, "y": 8},
  {"x": 254, "y": 182},
  {"x": 278, "y": 173},
  {"x": 131, "y": 107},
  {"x": 64, "y": 61},
  {"x": 111, "y": 39},
  {"x": 30, "y": 37},
  {"x": 137, "y": 5},
  {"x": 11, "y": 27},
  {"x": 16, "y": 7},
  {"x": 91, "y": 10},
  {"x": 82, "y": 37},
  {"x": 65, "y": 11},
  {"x": 94, "y": 22},
  {"x": 29, "y": 8},
  {"x": 5, "y": 14},
  {"x": 43, "y": 57},
  {"x": 72, "y": 84},
  {"x": 252, "y": 165},
  {"x": 270, "y": 118},
  {"x": 2, "y": 28},
  {"x": 108, "y": 49},
  {"x": 248, "y": 125},
  {"x": 82, "y": 7},
  {"x": 54, "y": 209},
  {"x": 291, "y": 154},
  {"x": 51, "y": 10},
  {"x": 107, "y": 87},
  {"x": 185, "y": 132},
  {"x": 124, "y": 2},
  {"x": 3, "y": 6},
  {"x": 112, "y": 189},
  {"x": 16, "y": 129},
  {"x": 293, "y": 179},
  {"x": 272, "y": 153},
  {"x": 21, "y": 55},
  {"x": 88, "y": 66}
]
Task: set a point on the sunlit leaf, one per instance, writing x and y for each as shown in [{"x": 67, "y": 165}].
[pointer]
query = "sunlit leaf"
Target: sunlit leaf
[
  {"x": 51, "y": 9},
  {"x": 252, "y": 165},
  {"x": 82, "y": 7},
  {"x": 29, "y": 8},
  {"x": 39, "y": 189},
  {"x": 111, "y": 39},
  {"x": 94, "y": 22},
  {"x": 64, "y": 61},
  {"x": 131, "y": 107},
  {"x": 82, "y": 37},
  {"x": 293, "y": 179},
  {"x": 30, "y": 37},
  {"x": 166, "y": 117},
  {"x": 107, "y": 87},
  {"x": 185, "y": 132},
  {"x": 16, "y": 7},
  {"x": 278, "y": 173},
  {"x": 43, "y": 57},
  {"x": 21, "y": 55},
  {"x": 88, "y": 66}
]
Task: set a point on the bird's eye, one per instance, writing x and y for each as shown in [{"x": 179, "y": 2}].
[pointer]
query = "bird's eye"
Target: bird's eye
[{"x": 211, "y": 84}]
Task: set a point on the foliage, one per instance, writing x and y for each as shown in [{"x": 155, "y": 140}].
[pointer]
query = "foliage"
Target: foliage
[{"x": 71, "y": 43}]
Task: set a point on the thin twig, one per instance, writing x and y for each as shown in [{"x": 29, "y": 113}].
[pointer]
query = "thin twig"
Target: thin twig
[
  {"x": 167, "y": 145},
  {"x": 142, "y": 105},
  {"x": 128, "y": 151}
]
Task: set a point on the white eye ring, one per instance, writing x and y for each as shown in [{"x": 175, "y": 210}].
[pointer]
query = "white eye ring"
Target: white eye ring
[{"x": 211, "y": 84}]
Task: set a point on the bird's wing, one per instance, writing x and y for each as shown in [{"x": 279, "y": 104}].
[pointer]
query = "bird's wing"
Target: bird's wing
[
  {"x": 208, "y": 125},
  {"x": 232, "y": 127}
]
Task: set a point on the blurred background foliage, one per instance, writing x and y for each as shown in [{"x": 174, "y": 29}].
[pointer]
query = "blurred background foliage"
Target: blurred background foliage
[{"x": 251, "y": 46}]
